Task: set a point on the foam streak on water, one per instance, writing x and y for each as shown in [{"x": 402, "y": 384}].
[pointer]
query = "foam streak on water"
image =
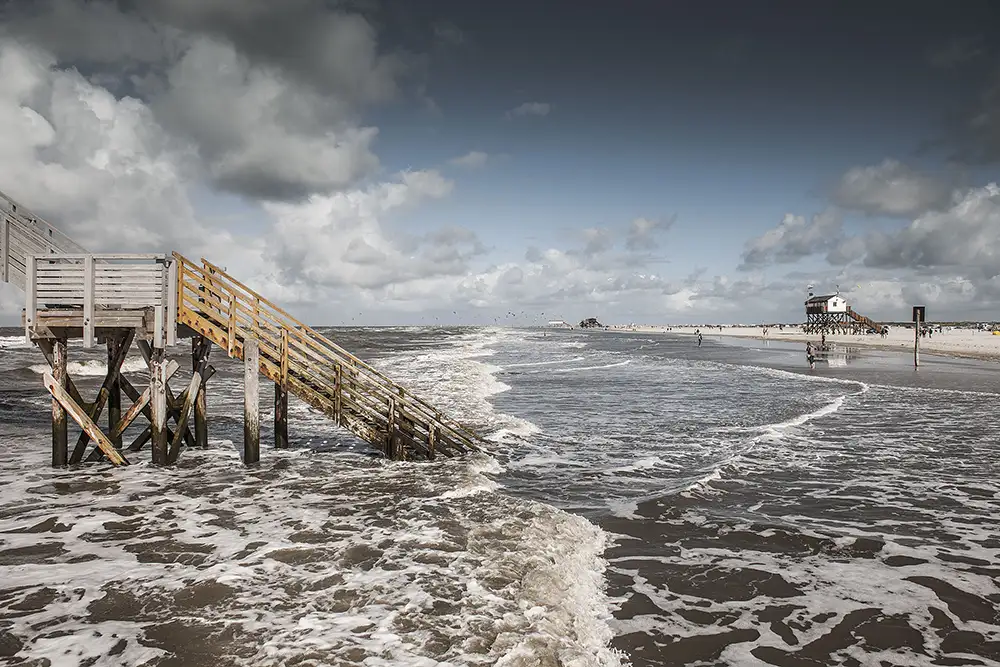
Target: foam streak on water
[
  {"x": 313, "y": 558},
  {"x": 685, "y": 505}
]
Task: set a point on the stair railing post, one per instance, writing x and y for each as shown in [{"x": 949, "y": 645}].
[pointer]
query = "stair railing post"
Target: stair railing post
[
  {"x": 231, "y": 339},
  {"x": 338, "y": 389}
]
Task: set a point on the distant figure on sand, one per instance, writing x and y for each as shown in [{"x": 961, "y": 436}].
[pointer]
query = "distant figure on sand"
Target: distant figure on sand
[
  {"x": 698, "y": 331},
  {"x": 810, "y": 357}
]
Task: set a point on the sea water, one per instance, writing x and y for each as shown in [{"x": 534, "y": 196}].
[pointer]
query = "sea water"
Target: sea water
[{"x": 644, "y": 501}]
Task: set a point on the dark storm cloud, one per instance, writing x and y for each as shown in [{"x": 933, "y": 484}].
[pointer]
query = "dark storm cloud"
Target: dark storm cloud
[
  {"x": 956, "y": 51},
  {"x": 978, "y": 135}
]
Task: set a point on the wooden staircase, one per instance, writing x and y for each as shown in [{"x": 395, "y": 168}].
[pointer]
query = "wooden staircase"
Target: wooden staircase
[
  {"x": 317, "y": 370},
  {"x": 81, "y": 293},
  {"x": 22, "y": 233},
  {"x": 864, "y": 323}
]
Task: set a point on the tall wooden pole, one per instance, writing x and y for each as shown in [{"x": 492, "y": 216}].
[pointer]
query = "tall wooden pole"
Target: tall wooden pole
[
  {"x": 916, "y": 340},
  {"x": 60, "y": 449},
  {"x": 281, "y": 398},
  {"x": 114, "y": 391},
  {"x": 200, "y": 348},
  {"x": 251, "y": 402}
]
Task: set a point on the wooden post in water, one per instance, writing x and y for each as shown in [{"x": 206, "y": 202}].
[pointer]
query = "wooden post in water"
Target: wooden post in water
[
  {"x": 200, "y": 348},
  {"x": 281, "y": 397},
  {"x": 251, "y": 402},
  {"x": 158, "y": 406},
  {"x": 114, "y": 390},
  {"x": 916, "y": 338},
  {"x": 60, "y": 448},
  {"x": 390, "y": 436}
]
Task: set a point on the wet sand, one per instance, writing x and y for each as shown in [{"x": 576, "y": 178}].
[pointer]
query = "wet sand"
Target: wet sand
[{"x": 957, "y": 342}]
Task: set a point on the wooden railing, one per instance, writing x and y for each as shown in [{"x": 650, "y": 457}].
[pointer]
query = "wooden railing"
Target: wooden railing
[
  {"x": 94, "y": 282},
  {"x": 866, "y": 321},
  {"x": 324, "y": 375},
  {"x": 22, "y": 234}
]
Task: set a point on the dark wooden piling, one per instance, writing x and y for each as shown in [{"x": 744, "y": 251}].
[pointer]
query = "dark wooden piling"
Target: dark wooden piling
[
  {"x": 60, "y": 444},
  {"x": 115, "y": 387},
  {"x": 158, "y": 406},
  {"x": 281, "y": 397},
  {"x": 200, "y": 349},
  {"x": 251, "y": 402}
]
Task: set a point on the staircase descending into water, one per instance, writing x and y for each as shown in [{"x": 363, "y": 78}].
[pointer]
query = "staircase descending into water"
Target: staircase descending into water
[
  {"x": 317, "y": 370},
  {"x": 865, "y": 323},
  {"x": 70, "y": 290}
]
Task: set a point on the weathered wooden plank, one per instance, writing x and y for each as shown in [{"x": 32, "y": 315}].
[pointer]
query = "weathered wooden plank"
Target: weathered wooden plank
[
  {"x": 192, "y": 394},
  {"x": 81, "y": 418},
  {"x": 117, "y": 349},
  {"x": 138, "y": 406},
  {"x": 60, "y": 442},
  {"x": 251, "y": 403}
]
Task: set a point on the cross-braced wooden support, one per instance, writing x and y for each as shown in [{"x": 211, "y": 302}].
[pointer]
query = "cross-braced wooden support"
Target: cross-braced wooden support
[{"x": 156, "y": 403}]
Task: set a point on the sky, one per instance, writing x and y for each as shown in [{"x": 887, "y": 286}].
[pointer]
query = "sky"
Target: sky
[{"x": 448, "y": 162}]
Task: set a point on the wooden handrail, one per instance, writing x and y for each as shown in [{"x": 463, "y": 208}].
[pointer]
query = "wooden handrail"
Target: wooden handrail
[
  {"x": 321, "y": 372},
  {"x": 315, "y": 335}
]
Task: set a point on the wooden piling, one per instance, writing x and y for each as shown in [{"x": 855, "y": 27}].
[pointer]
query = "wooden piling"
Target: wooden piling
[
  {"x": 200, "y": 348},
  {"x": 251, "y": 402},
  {"x": 390, "y": 435},
  {"x": 158, "y": 406},
  {"x": 81, "y": 417},
  {"x": 281, "y": 397},
  {"x": 115, "y": 388},
  {"x": 60, "y": 445},
  {"x": 191, "y": 395}
]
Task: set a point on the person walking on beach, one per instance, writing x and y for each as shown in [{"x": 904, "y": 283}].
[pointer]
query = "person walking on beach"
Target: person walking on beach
[
  {"x": 699, "y": 339},
  {"x": 810, "y": 357}
]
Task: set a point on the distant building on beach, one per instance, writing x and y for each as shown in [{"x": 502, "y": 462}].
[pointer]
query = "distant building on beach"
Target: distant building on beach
[
  {"x": 830, "y": 313},
  {"x": 829, "y": 303},
  {"x": 559, "y": 324}
]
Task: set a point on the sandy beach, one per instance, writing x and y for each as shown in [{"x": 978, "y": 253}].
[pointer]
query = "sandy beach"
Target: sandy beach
[{"x": 955, "y": 342}]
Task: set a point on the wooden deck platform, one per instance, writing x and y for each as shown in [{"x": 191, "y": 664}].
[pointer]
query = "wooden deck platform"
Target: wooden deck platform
[{"x": 155, "y": 300}]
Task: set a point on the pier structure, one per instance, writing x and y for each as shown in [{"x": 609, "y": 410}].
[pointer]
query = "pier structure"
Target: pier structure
[
  {"x": 155, "y": 302},
  {"x": 830, "y": 313}
]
